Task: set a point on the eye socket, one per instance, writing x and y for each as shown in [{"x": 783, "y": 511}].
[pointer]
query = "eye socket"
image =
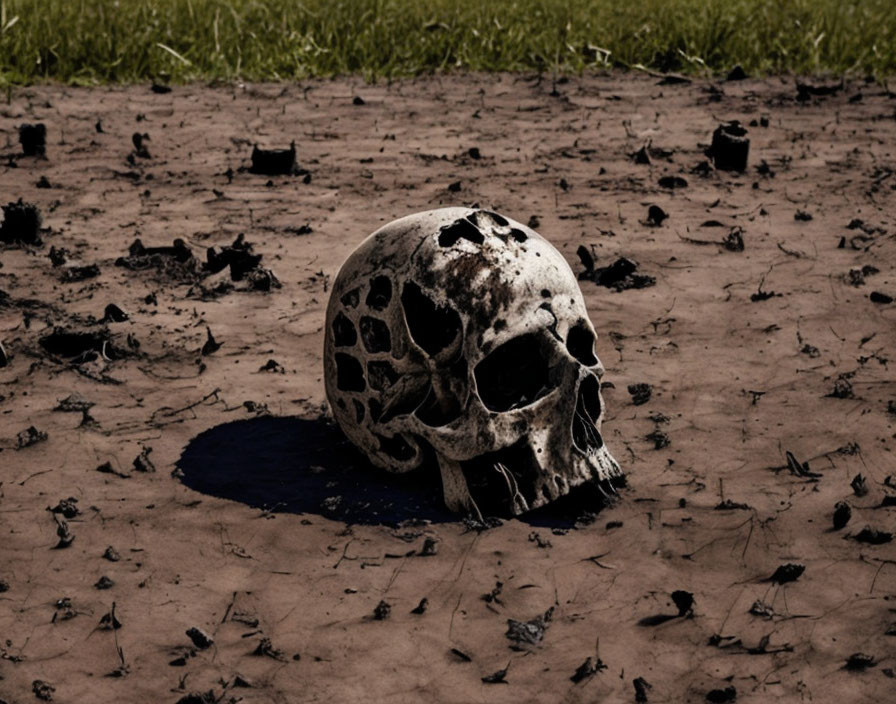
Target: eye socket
[
  {"x": 580, "y": 343},
  {"x": 514, "y": 375},
  {"x": 431, "y": 326}
]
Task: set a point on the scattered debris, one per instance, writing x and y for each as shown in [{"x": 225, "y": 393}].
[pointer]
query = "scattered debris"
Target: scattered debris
[
  {"x": 267, "y": 649},
  {"x": 461, "y": 654},
  {"x": 859, "y": 485},
  {"x": 789, "y": 572},
  {"x": 142, "y": 463},
  {"x": 382, "y": 611},
  {"x": 641, "y": 686},
  {"x": 67, "y": 507},
  {"x": 200, "y": 638},
  {"x": 524, "y": 633},
  {"x": 620, "y": 275},
  {"x": 421, "y": 607},
  {"x": 111, "y": 554},
  {"x": 498, "y": 677},
  {"x": 30, "y": 436},
  {"x": 43, "y": 690},
  {"x": 842, "y": 387},
  {"x": 640, "y": 393},
  {"x": 873, "y": 536},
  {"x": 109, "y": 621},
  {"x": 722, "y": 696},
  {"x": 659, "y": 439},
  {"x": 211, "y": 345},
  {"x": 74, "y": 274},
  {"x": 274, "y": 162},
  {"x": 842, "y": 514},
  {"x": 430, "y": 547},
  {"x": 21, "y": 223},
  {"x": 730, "y": 147},
  {"x": 859, "y": 662},
  {"x": 33, "y": 139},
  {"x": 587, "y": 669},
  {"x": 799, "y": 469}
]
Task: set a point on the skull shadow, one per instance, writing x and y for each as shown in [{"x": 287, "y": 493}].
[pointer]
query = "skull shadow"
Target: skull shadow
[{"x": 305, "y": 466}]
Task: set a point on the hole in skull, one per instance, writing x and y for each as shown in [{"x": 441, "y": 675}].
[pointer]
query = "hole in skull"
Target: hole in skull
[
  {"x": 380, "y": 292},
  {"x": 495, "y": 477},
  {"x": 460, "y": 229},
  {"x": 381, "y": 375},
  {"x": 359, "y": 410},
  {"x": 431, "y": 326},
  {"x": 580, "y": 343},
  {"x": 584, "y": 431},
  {"x": 344, "y": 333},
  {"x": 376, "y": 409},
  {"x": 397, "y": 447},
  {"x": 375, "y": 335},
  {"x": 518, "y": 235},
  {"x": 514, "y": 375},
  {"x": 351, "y": 298},
  {"x": 349, "y": 374},
  {"x": 436, "y": 412}
]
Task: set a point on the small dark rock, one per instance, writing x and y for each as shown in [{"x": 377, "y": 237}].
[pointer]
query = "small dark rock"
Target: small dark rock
[
  {"x": 641, "y": 686},
  {"x": 274, "y": 162},
  {"x": 421, "y": 607},
  {"x": 200, "y": 638},
  {"x": 789, "y": 572},
  {"x": 859, "y": 485},
  {"x": 114, "y": 314},
  {"x": 21, "y": 223},
  {"x": 142, "y": 463},
  {"x": 879, "y": 297},
  {"x": 673, "y": 182},
  {"x": 111, "y": 554},
  {"x": 358, "y": 100},
  {"x": 872, "y": 536},
  {"x": 67, "y": 507},
  {"x": 430, "y": 547},
  {"x": 104, "y": 582},
  {"x": 640, "y": 393},
  {"x": 43, "y": 182},
  {"x": 802, "y": 216},
  {"x": 587, "y": 669},
  {"x": 43, "y": 690},
  {"x": 842, "y": 514},
  {"x": 736, "y": 74},
  {"x": 498, "y": 677},
  {"x": 522, "y": 633},
  {"x": 859, "y": 662},
  {"x": 722, "y": 696},
  {"x": 382, "y": 611},
  {"x": 30, "y": 436},
  {"x": 33, "y": 139},
  {"x": 656, "y": 215},
  {"x": 160, "y": 88},
  {"x": 730, "y": 147},
  {"x": 684, "y": 602}
]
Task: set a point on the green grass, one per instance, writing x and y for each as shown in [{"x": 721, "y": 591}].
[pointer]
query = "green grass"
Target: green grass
[{"x": 98, "y": 41}]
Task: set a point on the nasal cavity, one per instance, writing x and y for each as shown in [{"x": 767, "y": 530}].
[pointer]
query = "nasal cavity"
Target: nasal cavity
[
  {"x": 580, "y": 343},
  {"x": 514, "y": 375},
  {"x": 588, "y": 409}
]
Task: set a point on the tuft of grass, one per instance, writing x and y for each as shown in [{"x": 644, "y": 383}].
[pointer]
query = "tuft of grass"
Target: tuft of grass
[{"x": 99, "y": 41}]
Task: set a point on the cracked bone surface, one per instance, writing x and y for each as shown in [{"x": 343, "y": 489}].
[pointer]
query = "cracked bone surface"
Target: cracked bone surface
[{"x": 460, "y": 336}]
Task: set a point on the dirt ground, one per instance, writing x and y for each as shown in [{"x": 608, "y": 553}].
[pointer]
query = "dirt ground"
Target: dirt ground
[{"x": 782, "y": 347}]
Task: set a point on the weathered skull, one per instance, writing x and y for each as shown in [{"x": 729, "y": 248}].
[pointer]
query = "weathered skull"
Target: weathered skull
[{"x": 462, "y": 332}]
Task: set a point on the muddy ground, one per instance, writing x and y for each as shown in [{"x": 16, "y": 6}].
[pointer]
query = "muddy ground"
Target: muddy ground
[{"x": 134, "y": 430}]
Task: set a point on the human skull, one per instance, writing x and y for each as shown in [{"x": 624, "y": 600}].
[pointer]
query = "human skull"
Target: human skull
[{"x": 464, "y": 333}]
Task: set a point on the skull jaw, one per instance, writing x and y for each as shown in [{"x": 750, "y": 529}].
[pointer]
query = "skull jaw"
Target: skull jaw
[{"x": 500, "y": 484}]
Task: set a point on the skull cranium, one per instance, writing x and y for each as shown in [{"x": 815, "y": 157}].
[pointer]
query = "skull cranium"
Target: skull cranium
[{"x": 462, "y": 333}]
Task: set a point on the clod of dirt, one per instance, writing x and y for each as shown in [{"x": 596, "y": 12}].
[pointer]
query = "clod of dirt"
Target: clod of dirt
[
  {"x": 200, "y": 638},
  {"x": 421, "y": 607},
  {"x": 160, "y": 88},
  {"x": 620, "y": 275},
  {"x": 382, "y": 611},
  {"x": 879, "y": 297},
  {"x": 33, "y": 139},
  {"x": 730, "y": 147},
  {"x": 802, "y": 216},
  {"x": 358, "y": 100},
  {"x": 587, "y": 669},
  {"x": 140, "y": 148},
  {"x": 856, "y": 275},
  {"x": 673, "y": 182},
  {"x": 67, "y": 507},
  {"x": 524, "y": 633},
  {"x": 734, "y": 240},
  {"x": 267, "y": 649},
  {"x": 273, "y": 366},
  {"x": 21, "y": 223},
  {"x": 640, "y": 393},
  {"x": 111, "y": 554},
  {"x": 736, "y": 74},
  {"x": 142, "y": 463},
  {"x": 842, "y": 387},
  {"x": 722, "y": 696},
  {"x": 859, "y": 662},
  {"x": 176, "y": 261},
  {"x": 208, "y": 697},
  {"x": 274, "y": 162},
  {"x": 104, "y": 582},
  {"x": 43, "y": 690},
  {"x": 658, "y": 438},
  {"x": 859, "y": 485},
  {"x": 109, "y": 621},
  {"x": 238, "y": 256},
  {"x": 430, "y": 547},
  {"x": 58, "y": 256},
  {"x": 499, "y": 677},
  {"x": 656, "y": 215},
  {"x": 684, "y": 602},
  {"x": 211, "y": 345},
  {"x": 789, "y": 572},
  {"x": 641, "y": 686},
  {"x": 74, "y": 403},
  {"x": 30, "y": 436},
  {"x": 74, "y": 274},
  {"x": 872, "y": 536},
  {"x": 66, "y": 537},
  {"x": 842, "y": 514},
  {"x": 805, "y": 91}
]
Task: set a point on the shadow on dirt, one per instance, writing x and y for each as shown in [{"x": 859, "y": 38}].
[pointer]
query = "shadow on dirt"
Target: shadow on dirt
[{"x": 294, "y": 465}]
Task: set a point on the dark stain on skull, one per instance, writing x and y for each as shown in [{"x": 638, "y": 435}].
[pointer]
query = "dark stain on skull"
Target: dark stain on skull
[
  {"x": 349, "y": 373},
  {"x": 351, "y": 298},
  {"x": 359, "y": 410},
  {"x": 344, "y": 333},
  {"x": 431, "y": 326},
  {"x": 580, "y": 343},
  {"x": 518, "y": 235},
  {"x": 483, "y": 299},
  {"x": 396, "y": 447},
  {"x": 514, "y": 375},
  {"x": 460, "y": 229},
  {"x": 375, "y": 335},
  {"x": 380, "y": 292},
  {"x": 381, "y": 375},
  {"x": 545, "y": 293}
]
